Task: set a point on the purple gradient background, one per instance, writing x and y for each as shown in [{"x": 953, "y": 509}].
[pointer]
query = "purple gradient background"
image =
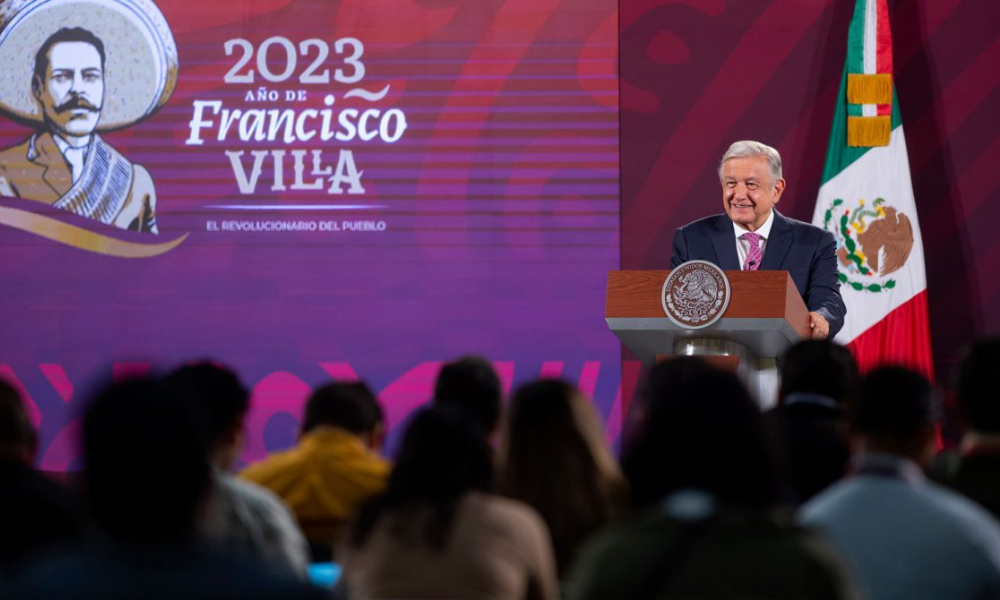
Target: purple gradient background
[{"x": 502, "y": 212}]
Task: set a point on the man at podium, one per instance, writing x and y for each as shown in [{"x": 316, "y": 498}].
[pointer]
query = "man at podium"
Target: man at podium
[{"x": 753, "y": 236}]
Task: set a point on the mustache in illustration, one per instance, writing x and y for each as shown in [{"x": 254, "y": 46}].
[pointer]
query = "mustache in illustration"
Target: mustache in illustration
[{"x": 76, "y": 102}]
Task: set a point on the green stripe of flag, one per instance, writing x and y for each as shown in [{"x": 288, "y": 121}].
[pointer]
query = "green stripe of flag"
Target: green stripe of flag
[{"x": 856, "y": 39}]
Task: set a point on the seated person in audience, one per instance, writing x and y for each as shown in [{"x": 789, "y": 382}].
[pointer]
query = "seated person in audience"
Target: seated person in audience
[
  {"x": 707, "y": 491},
  {"x": 334, "y": 468},
  {"x": 470, "y": 385},
  {"x": 904, "y": 536},
  {"x": 974, "y": 470},
  {"x": 437, "y": 532},
  {"x": 241, "y": 517},
  {"x": 553, "y": 457},
  {"x": 818, "y": 380},
  {"x": 146, "y": 481},
  {"x": 37, "y": 515}
]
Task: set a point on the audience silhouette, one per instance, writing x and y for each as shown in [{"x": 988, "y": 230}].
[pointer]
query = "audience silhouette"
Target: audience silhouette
[
  {"x": 334, "y": 468},
  {"x": 905, "y": 536},
  {"x": 553, "y": 441},
  {"x": 37, "y": 516},
  {"x": 699, "y": 508},
  {"x": 709, "y": 523},
  {"x": 819, "y": 379},
  {"x": 974, "y": 468},
  {"x": 146, "y": 480},
  {"x": 471, "y": 386},
  {"x": 240, "y": 516},
  {"x": 438, "y": 532}
]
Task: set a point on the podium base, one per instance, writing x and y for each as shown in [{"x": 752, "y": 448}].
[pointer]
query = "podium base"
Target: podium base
[{"x": 760, "y": 375}]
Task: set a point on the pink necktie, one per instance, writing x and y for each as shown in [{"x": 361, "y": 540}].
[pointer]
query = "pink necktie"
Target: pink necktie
[{"x": 753, "y": 254}]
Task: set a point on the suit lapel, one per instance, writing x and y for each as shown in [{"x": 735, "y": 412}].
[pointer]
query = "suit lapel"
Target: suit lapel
[
  {"x": 724, "y": 242},
  {"x": 56, "y": 174},
  {"x": 778, "y": 244}
]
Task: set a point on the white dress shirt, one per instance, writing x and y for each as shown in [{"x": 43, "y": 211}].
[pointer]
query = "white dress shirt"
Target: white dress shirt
[
  {"x": 743, "y": 246},
  {"x": 75, "y": 156}
]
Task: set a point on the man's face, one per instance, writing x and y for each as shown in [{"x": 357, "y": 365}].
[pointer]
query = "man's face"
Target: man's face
[
  {"x": 748, "y": 192},
  {"x": 72, "y": 91}
]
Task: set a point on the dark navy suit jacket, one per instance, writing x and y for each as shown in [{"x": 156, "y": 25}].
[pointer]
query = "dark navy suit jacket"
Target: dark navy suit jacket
[{"x": 807, "y": 252}]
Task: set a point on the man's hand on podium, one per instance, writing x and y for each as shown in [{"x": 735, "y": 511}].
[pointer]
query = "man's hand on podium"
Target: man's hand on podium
[{"x": 820, "y": 328}]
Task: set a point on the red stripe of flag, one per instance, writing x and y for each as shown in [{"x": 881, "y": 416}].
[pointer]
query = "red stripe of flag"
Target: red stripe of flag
[
  {"x": 902, "y": 338},
  {"x": 883, "y": 48}
]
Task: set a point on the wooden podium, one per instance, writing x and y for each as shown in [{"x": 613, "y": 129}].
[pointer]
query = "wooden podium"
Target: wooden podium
[{"x": 765, "y": 316}]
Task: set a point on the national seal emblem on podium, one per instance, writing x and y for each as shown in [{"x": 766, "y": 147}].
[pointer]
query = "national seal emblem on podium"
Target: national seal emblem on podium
[{"x": 696, "y": 294}]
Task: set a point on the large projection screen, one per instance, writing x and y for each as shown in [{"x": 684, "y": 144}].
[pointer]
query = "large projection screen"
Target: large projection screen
[{"x": 306, "y": 189}]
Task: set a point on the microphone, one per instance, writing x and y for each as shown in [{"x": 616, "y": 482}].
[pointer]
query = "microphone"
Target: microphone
[{"x": 753, "y": 263}]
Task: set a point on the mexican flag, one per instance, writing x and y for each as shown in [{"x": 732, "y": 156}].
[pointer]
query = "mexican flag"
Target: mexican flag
[{"x": 866, "y": 201}]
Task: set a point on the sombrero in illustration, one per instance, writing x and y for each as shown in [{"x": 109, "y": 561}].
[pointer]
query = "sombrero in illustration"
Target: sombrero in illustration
[{"x": 74, "y": 69}]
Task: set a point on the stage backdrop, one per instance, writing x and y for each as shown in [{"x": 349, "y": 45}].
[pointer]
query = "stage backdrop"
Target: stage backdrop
[
  {"x": 306, "y": 189},
  {"x": 700, "y": 74}
]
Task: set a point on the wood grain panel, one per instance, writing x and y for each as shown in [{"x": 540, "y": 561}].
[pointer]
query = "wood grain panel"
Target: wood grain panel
[{"x": 758, "y": 294}]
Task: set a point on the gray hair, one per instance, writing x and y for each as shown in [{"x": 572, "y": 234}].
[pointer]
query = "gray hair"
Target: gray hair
[{"x": 749, "y": 148}]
